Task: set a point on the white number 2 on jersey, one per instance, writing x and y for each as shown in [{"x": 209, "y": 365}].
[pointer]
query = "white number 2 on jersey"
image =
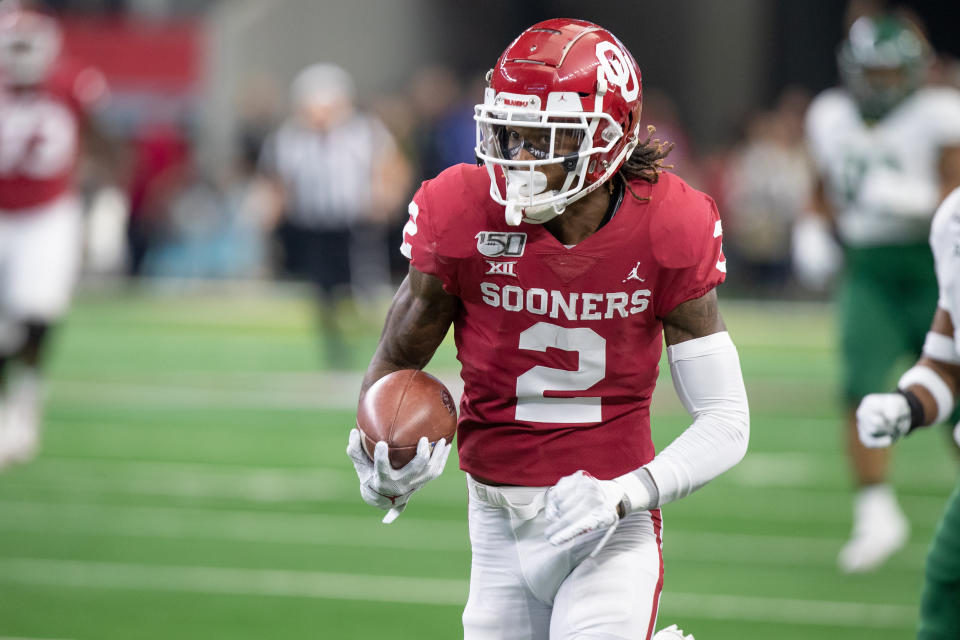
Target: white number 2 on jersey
[
  {"x": 532, "y": 406},
  {"x": 37, "y": 140}
]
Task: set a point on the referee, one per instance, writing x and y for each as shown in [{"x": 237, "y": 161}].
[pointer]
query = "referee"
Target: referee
[{"x": 334, "y": 176}]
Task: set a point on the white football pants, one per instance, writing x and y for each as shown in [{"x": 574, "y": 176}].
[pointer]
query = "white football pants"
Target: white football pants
[
  {"x": 39, "y": 259},
  {"x": 524, "y": 588}
]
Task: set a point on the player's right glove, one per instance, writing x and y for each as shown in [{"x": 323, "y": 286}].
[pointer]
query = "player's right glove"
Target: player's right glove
[
  {"x": 882, "y": 419},
  {"x": 383, "y": 486}
]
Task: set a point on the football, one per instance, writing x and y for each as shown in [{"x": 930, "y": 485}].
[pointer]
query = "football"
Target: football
[{"x": 402, "y": 407}]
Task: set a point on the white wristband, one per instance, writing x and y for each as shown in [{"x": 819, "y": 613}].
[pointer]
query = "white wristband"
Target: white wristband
[
  {"x": 639, "y": 491},
  {"x": 940, "y": 347},
  {"x": 931, "y": 381}
]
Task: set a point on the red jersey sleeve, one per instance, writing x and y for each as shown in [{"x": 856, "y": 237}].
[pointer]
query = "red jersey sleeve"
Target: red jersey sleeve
[
  {"x": 687, "y": 242},
  {"x": 423, "y": 235}
]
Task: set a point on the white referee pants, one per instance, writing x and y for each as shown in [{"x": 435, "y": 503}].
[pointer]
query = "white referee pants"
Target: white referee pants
[{"x": 524, "y": 588}]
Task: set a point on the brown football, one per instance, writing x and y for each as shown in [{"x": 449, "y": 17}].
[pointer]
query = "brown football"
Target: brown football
[{"x": 402, "y": 407}]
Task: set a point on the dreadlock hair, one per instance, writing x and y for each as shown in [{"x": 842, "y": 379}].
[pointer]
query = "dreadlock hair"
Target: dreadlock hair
[{"x": 646, "y": 161}]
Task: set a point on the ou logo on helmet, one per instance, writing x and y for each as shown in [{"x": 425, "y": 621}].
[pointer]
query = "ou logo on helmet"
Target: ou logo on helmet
[{"x": 618, "y": 71}]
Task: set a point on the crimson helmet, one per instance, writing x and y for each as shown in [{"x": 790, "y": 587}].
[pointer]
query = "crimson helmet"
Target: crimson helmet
[
  {"x": 568, "y": 93},
  {"x": 29, "y": 44}
]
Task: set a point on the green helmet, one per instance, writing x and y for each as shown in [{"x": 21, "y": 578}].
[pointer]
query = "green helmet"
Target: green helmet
[{"x": 882, "y": 61}]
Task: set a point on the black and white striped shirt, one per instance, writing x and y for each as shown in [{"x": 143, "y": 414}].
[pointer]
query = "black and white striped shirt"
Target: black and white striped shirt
[{"x": 327, "y": 174}]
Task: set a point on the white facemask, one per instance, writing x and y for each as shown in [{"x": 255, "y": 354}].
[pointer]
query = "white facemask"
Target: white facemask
[{"x": 521, "y": 187}]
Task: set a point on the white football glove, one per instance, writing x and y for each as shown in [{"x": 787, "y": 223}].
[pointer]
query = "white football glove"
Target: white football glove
[
  {"x": 579, "y": 504},
  {"x": 882, "y": 419},
  {"x": 383, "y": 486},
  {"x": 816, "y": 255}
]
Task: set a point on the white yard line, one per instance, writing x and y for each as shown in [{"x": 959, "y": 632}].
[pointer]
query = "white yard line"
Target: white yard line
[
  {"x": 219, "y": 580},
  {"x": 307, "y": 390},
  {"x": 116, "y": 394},
  {"x": 828, "y": 613},
  {"x": 787, "y": 469},
  {"x": 237, "y": 525},
  {"x": 91, "y": 477},
  {"x": 97, "y": 477},
  {"x": 418, "y": 590},
  {"x": 320, "y": 390},
  {"x": 190, "y": 523},
  {"x": 260, "y": 484}
]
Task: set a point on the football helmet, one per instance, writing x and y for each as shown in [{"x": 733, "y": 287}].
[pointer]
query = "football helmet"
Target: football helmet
[
  {"x": 883, "y": 61},
  {"x": 29, "y": 44},
  {"x": 567, "y": 93}
]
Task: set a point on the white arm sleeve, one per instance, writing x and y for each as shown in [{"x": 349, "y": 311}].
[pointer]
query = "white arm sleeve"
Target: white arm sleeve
[
  {"x": 707, "y": 378},
  {"x": 945, "y": 243}
]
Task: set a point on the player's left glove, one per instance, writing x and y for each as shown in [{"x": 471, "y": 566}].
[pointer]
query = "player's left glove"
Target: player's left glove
[
  {"x": 579, "y": 504},
  {"x": 882, "y": 419},
  {"x": 383, "y": 486}
]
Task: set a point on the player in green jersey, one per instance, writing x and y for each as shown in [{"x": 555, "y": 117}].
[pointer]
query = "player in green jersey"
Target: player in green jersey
[
  {"x": 926, "y": 395},
  {"x": 887, "y": 149}
]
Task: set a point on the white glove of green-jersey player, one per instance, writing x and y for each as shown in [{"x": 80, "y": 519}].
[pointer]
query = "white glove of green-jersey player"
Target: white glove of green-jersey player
[{"x": 882, "y": 419}]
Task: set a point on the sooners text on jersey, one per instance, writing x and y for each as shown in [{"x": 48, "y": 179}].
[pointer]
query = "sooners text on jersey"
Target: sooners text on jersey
[
  {"x": 560, "y": 347},
  {"x": 39, "y": 136}
]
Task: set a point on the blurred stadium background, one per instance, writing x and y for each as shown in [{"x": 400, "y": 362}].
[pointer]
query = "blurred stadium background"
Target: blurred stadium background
[{"x": 192, "y": 481}]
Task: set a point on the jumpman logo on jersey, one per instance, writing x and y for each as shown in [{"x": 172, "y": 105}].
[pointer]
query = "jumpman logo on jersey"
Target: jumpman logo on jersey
[{"x": 634, "y": 275}]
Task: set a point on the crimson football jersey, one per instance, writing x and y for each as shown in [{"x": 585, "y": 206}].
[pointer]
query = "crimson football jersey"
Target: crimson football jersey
[
  {"x": 559, "y": 348},
  {"x": 40, "y": 135}
]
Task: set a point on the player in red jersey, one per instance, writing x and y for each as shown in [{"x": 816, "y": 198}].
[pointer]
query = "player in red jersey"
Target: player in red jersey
[
  {"x": 562, "y": 266},
  {"x": 43, "y": 117}
]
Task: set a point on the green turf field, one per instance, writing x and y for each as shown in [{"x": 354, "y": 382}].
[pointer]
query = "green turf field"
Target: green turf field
[{"x": 193, "y": 484}]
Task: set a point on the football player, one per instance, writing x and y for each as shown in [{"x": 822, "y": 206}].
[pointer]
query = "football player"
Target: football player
[
  {"x": 926, "y": 394},
  {"x": 563, "y": 263},
  {"x": 887, "y": 150},
  {"x": 43, "y": 116}
]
